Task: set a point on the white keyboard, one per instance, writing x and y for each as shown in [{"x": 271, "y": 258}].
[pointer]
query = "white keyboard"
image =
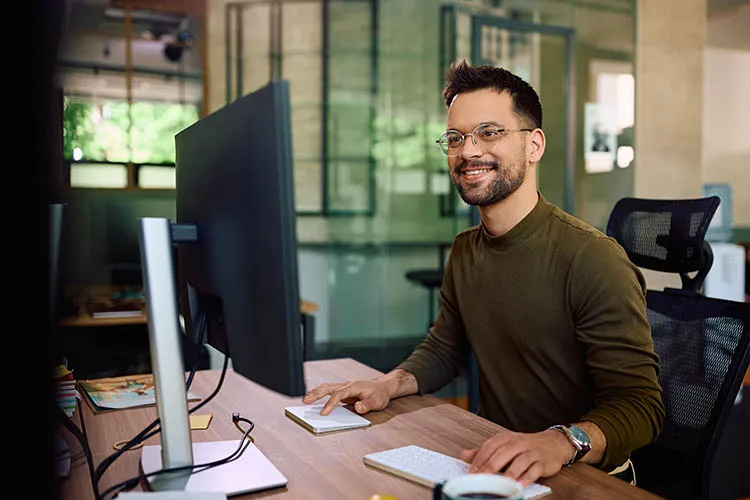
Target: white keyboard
[{"x": 429, "y": 467}]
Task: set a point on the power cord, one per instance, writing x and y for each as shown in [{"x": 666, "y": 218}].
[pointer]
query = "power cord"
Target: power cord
[
  {"x": 148, "y": 432},
  {"x": 236, "y": 419},
  {"x": 82, "y": 439},
  {"x": 152, "y": 428},
  {"x": 246, "y": 441}
]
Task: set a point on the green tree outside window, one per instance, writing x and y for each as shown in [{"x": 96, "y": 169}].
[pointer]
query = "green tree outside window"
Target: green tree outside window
[{"x": 114, "y": 131}]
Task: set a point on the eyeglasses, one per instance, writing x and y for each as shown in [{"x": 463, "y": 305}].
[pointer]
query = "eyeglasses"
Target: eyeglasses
[{"x": 484, "y": 137}]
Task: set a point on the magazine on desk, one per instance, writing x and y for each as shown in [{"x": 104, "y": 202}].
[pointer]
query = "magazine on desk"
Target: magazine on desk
[{"x": 117, "y": 393}]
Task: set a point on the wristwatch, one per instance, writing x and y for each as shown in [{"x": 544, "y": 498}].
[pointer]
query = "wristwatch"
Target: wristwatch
[{"x": 578, "y": 438}]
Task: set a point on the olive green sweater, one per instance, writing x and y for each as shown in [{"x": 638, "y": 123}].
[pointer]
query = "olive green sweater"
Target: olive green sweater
[{"x": 555, "y": 314}]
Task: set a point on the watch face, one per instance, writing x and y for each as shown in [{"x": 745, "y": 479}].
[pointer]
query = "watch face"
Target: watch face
[{"x": 579, "y": 434}]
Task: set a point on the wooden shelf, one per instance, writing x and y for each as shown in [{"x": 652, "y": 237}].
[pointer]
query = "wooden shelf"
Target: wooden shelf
[{"x": 85, "y": 319}]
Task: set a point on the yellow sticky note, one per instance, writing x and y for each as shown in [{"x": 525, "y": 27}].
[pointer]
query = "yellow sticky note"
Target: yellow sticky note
[{"x": 200, "y": 421}]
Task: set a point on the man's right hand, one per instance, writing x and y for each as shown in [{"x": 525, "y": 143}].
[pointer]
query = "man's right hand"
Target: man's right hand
[{"x": 366, "y": 395}]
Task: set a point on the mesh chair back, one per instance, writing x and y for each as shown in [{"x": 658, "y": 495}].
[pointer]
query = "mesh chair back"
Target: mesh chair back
[
  {"x": 704, "y": 346},
  {"x": 666, "y": 235}
]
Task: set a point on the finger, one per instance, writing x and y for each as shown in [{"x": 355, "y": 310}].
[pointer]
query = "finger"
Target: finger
[
  {"x": 360, "y": 407},
  {"x": 499, "y": 460},
  {"x": 319, "y": 392},
  {"x": 344, "y": 392},
  {"x": 371, "y": 400},
  {"x": 487, "y": 450},
  {"x": 519, "y": 465},
  {"x": 367, "y": 401},
  {"x": 468, "y": 455},
  {"x": 531, "y": 475}
]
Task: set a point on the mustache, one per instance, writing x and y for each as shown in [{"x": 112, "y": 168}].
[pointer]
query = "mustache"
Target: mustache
[{"x": 471, "y": 165}]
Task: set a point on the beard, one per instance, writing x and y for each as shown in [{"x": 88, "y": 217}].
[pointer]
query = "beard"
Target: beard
[{"x": 507, "y": 179}]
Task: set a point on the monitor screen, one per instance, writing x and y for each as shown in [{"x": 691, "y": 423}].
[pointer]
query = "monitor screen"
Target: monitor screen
[{"x": 234, "y": 178}]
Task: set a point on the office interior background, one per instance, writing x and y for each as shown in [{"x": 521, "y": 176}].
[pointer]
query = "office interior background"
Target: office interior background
[
  {"x": 643, "y": 98},
  {"x": 663, "y": 81}
]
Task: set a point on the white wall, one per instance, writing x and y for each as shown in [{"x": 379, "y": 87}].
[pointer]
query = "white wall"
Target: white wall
[{"x": 726, "y": 125}]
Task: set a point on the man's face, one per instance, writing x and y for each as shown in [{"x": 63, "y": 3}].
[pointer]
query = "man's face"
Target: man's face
[{"x": 485, "y": 178}]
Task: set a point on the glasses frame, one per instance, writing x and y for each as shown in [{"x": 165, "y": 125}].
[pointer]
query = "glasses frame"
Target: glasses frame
[{"x": 474, "y": 139}]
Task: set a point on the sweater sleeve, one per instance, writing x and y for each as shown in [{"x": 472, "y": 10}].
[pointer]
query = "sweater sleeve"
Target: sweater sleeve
[
  {"x": 436, "y": 361},
  {"x": 607, "y": 298}
]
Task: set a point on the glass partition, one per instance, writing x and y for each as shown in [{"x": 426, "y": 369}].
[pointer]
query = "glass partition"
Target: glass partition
[{"x": 373, "y": 193}]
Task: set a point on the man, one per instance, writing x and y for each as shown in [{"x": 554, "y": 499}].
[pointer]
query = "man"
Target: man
[{"x": 552, "y": 308}]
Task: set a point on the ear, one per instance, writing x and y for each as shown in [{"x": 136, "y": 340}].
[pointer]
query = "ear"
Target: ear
[{"x": 537, "y": 144}]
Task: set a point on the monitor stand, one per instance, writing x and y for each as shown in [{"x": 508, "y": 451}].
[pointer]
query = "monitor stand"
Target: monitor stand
[{"x": 252, "y": 471}]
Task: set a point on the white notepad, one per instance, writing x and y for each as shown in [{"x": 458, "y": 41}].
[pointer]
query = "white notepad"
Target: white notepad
[{"x": 339, "y": 419}]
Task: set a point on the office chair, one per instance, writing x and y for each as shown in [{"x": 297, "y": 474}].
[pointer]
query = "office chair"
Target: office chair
[
  {"x": 704, "y": 349},
  {"x": 703, "y": 343},
  {"x": 666, "y": 235}
]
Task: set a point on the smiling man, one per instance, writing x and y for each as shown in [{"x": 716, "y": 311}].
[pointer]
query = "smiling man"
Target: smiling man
[{"x": 551, "y": 308}]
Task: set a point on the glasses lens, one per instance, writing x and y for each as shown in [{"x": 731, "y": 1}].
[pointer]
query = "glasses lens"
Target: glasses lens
[
  {"x": 487, "y": 136},
  {"x": 450, "y": 143}
]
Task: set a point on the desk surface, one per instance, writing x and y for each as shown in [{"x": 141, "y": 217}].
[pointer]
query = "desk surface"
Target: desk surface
[{"x": 326, "y": 466}]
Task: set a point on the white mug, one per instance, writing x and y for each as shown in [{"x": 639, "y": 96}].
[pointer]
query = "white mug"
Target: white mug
[{"x": 478, "y": 486}]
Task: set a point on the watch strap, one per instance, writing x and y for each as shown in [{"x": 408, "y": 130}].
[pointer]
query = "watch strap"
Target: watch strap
[{"x": 576, "y": 447}]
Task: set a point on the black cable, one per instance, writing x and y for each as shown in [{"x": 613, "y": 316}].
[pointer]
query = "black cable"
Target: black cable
[
  {"x": 198, "y": 345},
  {"x": 80, "y": 417},
  {"x": 203, "y": 403},
  {"x": 196, "y": 468},
  {"x": 236, "y": 419},
  {"x": 68, "y": 423},
  {"x": 151, "y": 429},
  {"x": 148, "y": 432},
  {"x": 83, "y": 431}
]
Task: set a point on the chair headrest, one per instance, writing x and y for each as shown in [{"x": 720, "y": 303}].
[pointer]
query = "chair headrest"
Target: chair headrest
[{"x": 664, "y": 235}]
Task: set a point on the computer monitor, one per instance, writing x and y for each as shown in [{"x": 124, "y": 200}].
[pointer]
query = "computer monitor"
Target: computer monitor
[
  {"x": 235, "y": 183},
  {"x": 237, "y": 260}
]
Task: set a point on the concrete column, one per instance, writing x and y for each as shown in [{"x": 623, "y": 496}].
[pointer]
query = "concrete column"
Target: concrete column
[{"x": 670, "y": 45}]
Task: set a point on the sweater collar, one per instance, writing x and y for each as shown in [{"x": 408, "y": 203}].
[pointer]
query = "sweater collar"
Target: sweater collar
[{"x": 525, "y": 228}]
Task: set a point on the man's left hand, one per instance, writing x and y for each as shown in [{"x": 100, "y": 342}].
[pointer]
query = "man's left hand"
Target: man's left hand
[{"x": 520, "y": 456}]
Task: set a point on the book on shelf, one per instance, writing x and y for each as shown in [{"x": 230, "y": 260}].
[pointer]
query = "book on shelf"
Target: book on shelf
[
  {"x": 117, "y": 393},
  {"x": 115, "y": 308},
  {"x": 117, "y": 314}
]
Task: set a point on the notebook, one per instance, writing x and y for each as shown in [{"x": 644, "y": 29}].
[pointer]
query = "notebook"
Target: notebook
[{"x": 309, "y": 417}]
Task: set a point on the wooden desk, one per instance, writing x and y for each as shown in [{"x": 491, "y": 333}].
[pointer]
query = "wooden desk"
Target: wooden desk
[{"x": 324, "y": 466}]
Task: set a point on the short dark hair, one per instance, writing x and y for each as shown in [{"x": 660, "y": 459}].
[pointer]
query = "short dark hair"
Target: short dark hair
[{"x": 465, "y": 78}]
